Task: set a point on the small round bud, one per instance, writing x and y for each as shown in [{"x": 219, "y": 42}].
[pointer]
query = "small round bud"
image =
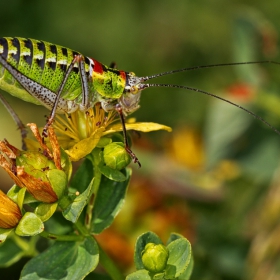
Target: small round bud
[
  {"x": 40, "y": 176},
  {"x": 154, "y": 257},
  {"x": 115, "y": 156}
]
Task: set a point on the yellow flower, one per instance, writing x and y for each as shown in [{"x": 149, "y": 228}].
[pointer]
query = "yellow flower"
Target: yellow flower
[
  {"x": 10, "y": 213},
  {"x": 80, "y": 132}
]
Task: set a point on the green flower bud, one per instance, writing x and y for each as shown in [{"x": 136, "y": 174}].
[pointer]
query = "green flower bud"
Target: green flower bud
[
  {"x": 154, "y": 257},
  {"x": 35, "y": 171},
  {"x": 35, "y": 164},
  {"x": 115, "y": 156}
]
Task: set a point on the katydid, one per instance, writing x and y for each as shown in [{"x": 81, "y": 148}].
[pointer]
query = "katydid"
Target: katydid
[{"x": 64, "y": 81}]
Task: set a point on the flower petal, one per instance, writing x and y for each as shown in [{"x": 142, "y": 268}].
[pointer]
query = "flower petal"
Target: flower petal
[
  {"x": 85, "y": 146},
  {"x": 41, "y": 190},
  {"x": 10, "y": 213},
  {"x": 142, "y": 126},
  {"x": 9, "y": 168}
]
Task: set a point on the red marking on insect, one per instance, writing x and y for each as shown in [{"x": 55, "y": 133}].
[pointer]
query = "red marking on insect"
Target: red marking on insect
[
  {"x": 97, "y": 67},
  {"x": 123, "y": 75}
]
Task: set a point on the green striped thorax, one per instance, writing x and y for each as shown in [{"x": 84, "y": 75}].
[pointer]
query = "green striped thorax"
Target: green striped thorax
[{"x": 34, "y": 70}]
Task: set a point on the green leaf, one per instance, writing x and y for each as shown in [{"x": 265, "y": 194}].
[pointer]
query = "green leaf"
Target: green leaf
[
  {"x": 21, "y": 196},
  {"x": 188, "y": 271},
  {"x": 58, "y": 180},
  {"x": 29, "y": 225},
  {"x": 82, "y": 177},
  {"x": 29, "y": 198},
  {"x": 104, "y": 141},
  {"x": 10, "y": 253},
  {"x": 142, "y": 274},
  {"x": 45, "y": 210},
  {"x": 141, "y": 242},
  {"x": 64, "y": 260},
  {"x": 179, "y": 257},
  {"x": 66, "y": 164},
  {"x": 174, "y": 236},
  {"x": 4, "y": 232},
  {"x": 159, "y": 276},
  {"x": 74, "y": 210},
  {"x": 109, "y": 200},
  {"x": 13, "y": 194},
  {"x": 112, "y": 174},
  {"x": 97, "y": 276},
  {"x": 17, "y": 194}
]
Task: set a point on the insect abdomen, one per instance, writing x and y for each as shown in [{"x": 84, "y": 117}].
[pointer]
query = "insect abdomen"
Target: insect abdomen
[{"x": 42, "y": 62}]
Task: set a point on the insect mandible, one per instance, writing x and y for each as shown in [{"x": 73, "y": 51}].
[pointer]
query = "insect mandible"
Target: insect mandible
[{"x": 64, "y": 81}]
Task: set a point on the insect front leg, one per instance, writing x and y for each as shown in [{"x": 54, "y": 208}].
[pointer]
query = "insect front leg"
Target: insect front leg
[
  {"x": 85, "y": 91},
  {"x": 16, "y": 119},
  {"x": 119, "y": 110}
]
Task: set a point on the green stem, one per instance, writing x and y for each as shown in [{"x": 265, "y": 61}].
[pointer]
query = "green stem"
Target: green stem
[
  {"x": 64, "y": 202},
  {"x": 28, "y": 247},
  {"x": 81, "y": 228},
  {"x": 95, "y": 187},
  {"x": 109, "y": 265},
  {"x": 56, "y": 237}
]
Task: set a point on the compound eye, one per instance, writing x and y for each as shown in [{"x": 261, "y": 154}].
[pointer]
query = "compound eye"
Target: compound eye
[{"x": 134, "y": 89}]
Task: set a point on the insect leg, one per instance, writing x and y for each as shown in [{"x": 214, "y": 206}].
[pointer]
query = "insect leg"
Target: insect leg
[
  {"x": 80, "y": 60},
  {"x": 84, "y": 80},
  {"x": 113, "y": 65},
  {"x": 16, "y": 119},
  {"x": 118, "y": 108}
]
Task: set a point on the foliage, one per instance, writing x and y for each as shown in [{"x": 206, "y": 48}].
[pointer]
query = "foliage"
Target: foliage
[
  {"x": 95, "y": 196},
  {"x": 215, "y": 178}
]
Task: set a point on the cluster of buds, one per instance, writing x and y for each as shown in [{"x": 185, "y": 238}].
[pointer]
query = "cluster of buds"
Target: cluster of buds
[
  {"x": 42, "y": 172},
  {"x": 39, "y": 173}
]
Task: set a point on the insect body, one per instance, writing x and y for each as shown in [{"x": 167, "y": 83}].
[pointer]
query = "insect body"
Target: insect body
[
  {"x": 64, "y": 80},
  {"x": 34, "y": 71}
]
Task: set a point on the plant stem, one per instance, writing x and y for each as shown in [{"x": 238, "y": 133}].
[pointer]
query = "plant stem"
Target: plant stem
[
  {"x": 64, "y": 202},
  {"x": 56, "y": 237},
  {"x": 28, "y": 247},
  {"x": 109, "y": 265},
  {"x": 96, "y": 183},
  {"x": 81, "y": 228}
]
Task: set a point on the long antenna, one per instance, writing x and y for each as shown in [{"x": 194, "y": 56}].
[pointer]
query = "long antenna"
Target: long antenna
[
  {"x": 216, "y": 96},
  {"x": 206, "y": 66}
]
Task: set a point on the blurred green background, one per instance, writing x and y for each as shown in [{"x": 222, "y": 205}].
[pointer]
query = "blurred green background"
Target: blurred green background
[{"x": 219, "y": 166}]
